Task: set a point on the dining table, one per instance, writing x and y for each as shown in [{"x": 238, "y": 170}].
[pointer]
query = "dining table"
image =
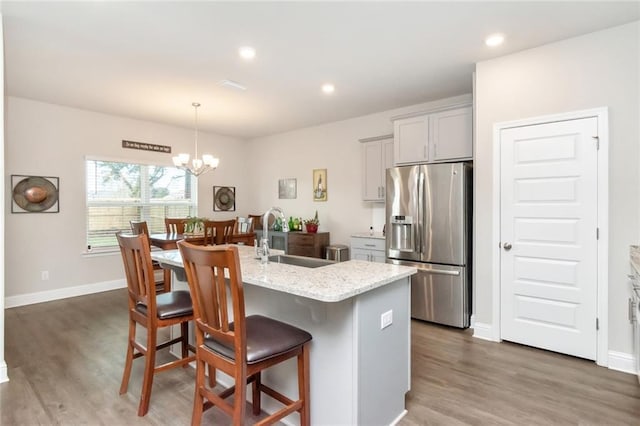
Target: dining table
[{"x": 168, "y": 241}]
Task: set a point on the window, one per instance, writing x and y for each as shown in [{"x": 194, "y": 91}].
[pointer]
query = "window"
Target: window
[{"x": 120, "y": 192}]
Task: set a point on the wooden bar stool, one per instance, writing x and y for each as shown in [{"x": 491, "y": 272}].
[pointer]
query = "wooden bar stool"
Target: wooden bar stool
[
  {"x": 152, "y": 312},
  {"x": 140, "y": 227},
  {"x": 242, "y": 348}
]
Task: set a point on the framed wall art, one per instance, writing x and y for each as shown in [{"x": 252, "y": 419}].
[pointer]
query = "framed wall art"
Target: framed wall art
[
  {"x": 319, "y": 185},
  {"x": 287, "y": 188},
  {"x": 224, "y": 198},
  {"x": 35, "y": 194}
]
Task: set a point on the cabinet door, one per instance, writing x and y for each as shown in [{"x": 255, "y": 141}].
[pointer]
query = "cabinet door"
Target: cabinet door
[
  {"x": 359, "y": 254},
  {"x": 387, "y": 151},
  {"x": 378, "y": 256},
  {"x": 372, "y": 165},
  {"x": 411, "y": 137},
  {"x": 377, "y": 157},
  {"x": 451, "y": 135}
]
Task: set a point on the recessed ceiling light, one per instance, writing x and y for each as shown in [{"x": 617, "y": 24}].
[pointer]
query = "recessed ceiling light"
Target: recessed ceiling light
[
  {"x": 328, "y": 88},
  {"x": 494, "y": 40},
  {"x": 247, "y": 52}
]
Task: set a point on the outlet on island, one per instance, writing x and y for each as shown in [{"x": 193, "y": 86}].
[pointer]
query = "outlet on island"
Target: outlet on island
[{"x": 386, "y": 319}]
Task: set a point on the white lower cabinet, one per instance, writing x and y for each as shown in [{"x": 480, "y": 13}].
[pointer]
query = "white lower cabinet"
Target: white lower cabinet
[{"x": 370, "y": 249}]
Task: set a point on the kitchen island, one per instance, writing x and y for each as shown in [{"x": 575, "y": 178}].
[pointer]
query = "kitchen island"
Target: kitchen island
[{"x": 360, "y": 367}]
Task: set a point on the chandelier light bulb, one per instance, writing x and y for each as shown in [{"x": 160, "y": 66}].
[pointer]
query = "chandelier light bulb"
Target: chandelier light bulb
[{"x": 197, "y": 166}]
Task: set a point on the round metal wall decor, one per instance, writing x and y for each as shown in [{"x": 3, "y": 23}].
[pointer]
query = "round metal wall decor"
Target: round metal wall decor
[
  {"x": 34, "y": 194},
  {"x": 224, "y": 198}
]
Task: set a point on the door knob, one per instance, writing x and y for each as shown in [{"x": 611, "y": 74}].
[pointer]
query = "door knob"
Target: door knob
[{"x": 507, "y": 246}]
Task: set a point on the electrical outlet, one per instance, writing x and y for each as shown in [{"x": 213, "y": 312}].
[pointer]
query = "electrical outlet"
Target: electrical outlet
[
  {"x": 44, "y": 275},
  {"x": 386, "y": 319}
]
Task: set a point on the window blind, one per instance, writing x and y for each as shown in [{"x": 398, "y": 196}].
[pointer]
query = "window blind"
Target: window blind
[{"x": 119, "y": 192}]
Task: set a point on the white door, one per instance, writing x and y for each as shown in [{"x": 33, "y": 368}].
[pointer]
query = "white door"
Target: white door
[{"x": 548, "y": 275}]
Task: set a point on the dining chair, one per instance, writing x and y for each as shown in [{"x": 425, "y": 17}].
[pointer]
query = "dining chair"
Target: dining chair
[
  {"x": 257, "y": 220},
  {"x": 174, "y": 225},
  {"x": 151, "y": 311},
  {"x": 140, "y": 227},
  {"x": 217, "y": 231},
  {"x": 238, "y": 345},
  {"x": 243, "y": 225}
]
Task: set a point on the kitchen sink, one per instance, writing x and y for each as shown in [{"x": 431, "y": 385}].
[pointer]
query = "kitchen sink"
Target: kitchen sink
[{"x": 305, "y": 262}]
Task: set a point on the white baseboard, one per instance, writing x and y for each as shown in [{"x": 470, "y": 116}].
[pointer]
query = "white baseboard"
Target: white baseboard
[
  {"x": 4, "y": 376},
  {"x": 62, "y": 293},
  {"x": 397, "y": 419},
  {"x": 484, "y": 331},
  {"x": 621, "y": 361}
]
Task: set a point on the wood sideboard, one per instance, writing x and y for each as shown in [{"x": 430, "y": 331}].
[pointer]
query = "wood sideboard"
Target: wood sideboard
[{"x": 298, "y": 243}]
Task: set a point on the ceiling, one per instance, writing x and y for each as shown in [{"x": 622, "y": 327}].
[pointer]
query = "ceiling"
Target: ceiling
[{"x": 151, "y": 60}]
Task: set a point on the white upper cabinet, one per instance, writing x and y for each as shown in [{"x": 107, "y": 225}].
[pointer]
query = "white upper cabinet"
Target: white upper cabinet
[
  {"x": 451, "y": 135},
  {"x": 377, "y": 156},
  {"x": 411, "y": 140},
  {"x": 437, "y": 136}
]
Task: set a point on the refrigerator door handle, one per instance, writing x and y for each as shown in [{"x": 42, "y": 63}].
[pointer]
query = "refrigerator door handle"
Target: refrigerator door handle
[
  {"x": 419, "y": 228},
  {"x": 441, "y": 272}
]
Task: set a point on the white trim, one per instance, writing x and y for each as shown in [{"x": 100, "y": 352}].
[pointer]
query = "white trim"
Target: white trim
[
  {"x": 454, "y": 105},
  {"x": 63, "y": 293},
  {"x": 4, "y": 376},
  {"x": 397, "y": 419},
  {"x": 485, "y": 332},
  {"x": 602, "y": 309},
  {"x": 376, "y": 138},
  {"x": 621, "y": 361}
]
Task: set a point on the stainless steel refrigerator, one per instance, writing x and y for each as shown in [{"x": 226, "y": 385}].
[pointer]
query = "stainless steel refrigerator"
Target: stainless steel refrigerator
[{"x": 428, "y": 214}]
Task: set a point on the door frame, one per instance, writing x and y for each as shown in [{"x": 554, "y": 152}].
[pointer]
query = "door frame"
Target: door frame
[{"x": 602, "y": 305}]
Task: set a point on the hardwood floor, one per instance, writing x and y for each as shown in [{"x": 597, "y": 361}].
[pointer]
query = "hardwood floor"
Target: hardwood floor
[
  {"x": 458, "y": 379},
  {"x": 66, "y": 357}
]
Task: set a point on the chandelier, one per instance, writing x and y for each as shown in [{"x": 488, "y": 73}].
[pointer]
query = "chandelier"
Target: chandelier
[{"x": 196, "y": 166}]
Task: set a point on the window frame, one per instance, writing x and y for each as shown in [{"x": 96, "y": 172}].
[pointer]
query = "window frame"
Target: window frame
[{"x": 144, "y": 204}]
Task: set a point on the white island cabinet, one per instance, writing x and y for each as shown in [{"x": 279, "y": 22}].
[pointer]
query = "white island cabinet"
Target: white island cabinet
[{"x": 360, "y": 366}]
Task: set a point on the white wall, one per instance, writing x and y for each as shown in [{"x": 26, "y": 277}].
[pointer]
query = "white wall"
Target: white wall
[
  {"x": 596, "y": 70},
  {"x": 334, "y": 147},
  {"x": 51, "y": 140}
]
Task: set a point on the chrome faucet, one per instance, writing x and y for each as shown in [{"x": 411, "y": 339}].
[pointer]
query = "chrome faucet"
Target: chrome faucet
[{"x": 262, "y": 250}]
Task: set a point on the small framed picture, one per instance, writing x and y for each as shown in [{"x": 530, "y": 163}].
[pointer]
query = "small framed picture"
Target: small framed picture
[
  {"x": 224, "y": 198},
  {"x": 287, "y": 188},
  {"x": 320, "y": 185},
  {"x": 35, "y": 194}
]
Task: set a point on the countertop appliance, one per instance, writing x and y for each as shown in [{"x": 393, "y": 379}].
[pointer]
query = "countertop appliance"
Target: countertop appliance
[{"x": 428, "y": 224}]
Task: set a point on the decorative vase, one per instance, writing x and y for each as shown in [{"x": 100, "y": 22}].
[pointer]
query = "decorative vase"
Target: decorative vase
[{"x": 311, "y": 227}]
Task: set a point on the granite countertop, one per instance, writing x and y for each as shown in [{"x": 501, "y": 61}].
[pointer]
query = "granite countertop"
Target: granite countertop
[
  {"x": 376, "y": 235},
  {"x": 634, "y": 258},
  {"x": 331, "y": 283}
]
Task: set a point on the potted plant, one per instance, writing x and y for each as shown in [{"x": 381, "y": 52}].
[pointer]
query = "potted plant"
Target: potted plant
[
  {"x": 312, "y": 224},
  {"x": 194, "y": 225}
]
